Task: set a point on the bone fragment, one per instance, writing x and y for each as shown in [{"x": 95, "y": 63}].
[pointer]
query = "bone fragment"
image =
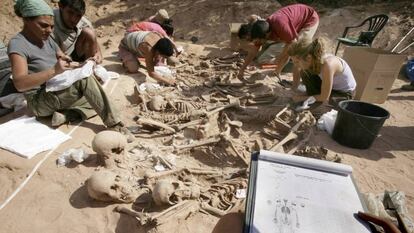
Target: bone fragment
[
  {"x": 215, "y": 211},
  {"x": 145, "y": 121},
  {"x": 301, "y": 143},
  {"x": 291, "y": 135},
  {"x": 185, "y": 125},
  {"x": 181, "y": 210},
  {"x": 241, "y": 156},
  {"x": 282, "y": 111},
  {"x": 199, "y": 143},
  {"x": 234, "y": 102},
  {"x": 141, "y": 217},
  {"x": 143, "y": 99}
]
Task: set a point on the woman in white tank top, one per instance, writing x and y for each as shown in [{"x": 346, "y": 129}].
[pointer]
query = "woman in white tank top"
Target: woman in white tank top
[{"x": 327, "y": 78}]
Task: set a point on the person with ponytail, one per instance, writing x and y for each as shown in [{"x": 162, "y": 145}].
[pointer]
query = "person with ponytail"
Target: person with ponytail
[
  {"x": 35, "y": 58},
  {"x": 325, "y": 76}
]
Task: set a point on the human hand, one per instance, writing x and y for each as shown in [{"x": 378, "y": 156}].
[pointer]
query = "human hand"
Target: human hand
[
  {"x": 387, "y": 225},
  {"x": 97, "y": 58},
  {"x": 64, "y": 57},
  {"x": 170, "y": 81},
  {"x": 179, "y": 50},
  {"x": 61, "y": 65},
  {"x": 74, "y": 64}
]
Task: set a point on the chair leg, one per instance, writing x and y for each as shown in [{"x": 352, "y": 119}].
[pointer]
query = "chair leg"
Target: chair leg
[{"x": 337, "y": 47}]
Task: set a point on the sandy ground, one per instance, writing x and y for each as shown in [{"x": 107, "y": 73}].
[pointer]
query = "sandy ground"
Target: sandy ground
[{"x": 55, "y": 198}]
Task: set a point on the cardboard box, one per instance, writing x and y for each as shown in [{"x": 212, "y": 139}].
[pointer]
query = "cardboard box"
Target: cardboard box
[
  {"x": 375, "y": 71},
  {"x": 234, "y": 38}
]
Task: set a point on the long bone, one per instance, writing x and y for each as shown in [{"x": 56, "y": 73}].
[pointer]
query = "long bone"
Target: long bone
[
  {"x": 291, "y": 135},
  {"x": 181, "y": 210},
  {"x": 143, "y": 218},
  {"x": 233, "y": 102},
  {"x": 198, "y": 143},
  {"x": 210, "y": 209},
  {"x": 144, "y": 121}
]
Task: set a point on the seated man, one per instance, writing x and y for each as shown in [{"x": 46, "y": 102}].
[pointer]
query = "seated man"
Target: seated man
[
  {"x": 74, "y": 33},
  {"x": 35, "y": 58},
  {"x": 149, "y": 45}
]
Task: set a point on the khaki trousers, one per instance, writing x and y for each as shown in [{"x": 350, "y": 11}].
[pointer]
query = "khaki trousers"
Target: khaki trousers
[{"x": 85, "y": 97}]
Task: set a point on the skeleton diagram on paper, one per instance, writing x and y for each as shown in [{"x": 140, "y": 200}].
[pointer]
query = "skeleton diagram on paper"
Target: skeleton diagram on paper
[{"x": 286, "y": 216}]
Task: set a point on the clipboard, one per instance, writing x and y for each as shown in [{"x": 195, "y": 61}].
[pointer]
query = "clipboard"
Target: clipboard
[{"x": 291, "y": 209}]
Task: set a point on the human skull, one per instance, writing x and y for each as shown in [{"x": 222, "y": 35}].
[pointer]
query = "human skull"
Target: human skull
[
  {"x": 157, "y": 103},
  {"x": 110, "y": 147},
  {"x": 173, "y": 191},
  {"x": 108, "y": 186}
]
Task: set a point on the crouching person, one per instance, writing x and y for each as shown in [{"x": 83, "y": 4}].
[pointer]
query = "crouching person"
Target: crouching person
[
  {"x": 35, "y": 58},
  {"x": 326, "y": 77},
  {"x": 149, "y": 45}
]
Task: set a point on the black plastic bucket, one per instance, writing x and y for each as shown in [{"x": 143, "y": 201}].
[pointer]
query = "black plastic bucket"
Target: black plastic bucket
[{"x": 358, "y": 123}]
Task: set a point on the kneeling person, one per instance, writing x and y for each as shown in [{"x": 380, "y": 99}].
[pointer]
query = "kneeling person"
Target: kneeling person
[
  {"x": 328, "y": 78},
  {"x": 149, "y": 45}
]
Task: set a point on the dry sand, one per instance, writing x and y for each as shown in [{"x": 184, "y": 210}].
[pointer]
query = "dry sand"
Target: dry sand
[{"x": 55, "y": 199}]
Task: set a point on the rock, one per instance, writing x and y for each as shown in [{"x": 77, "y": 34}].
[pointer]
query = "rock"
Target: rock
[
  {"x": 194, "y": 39},
  {"x": 205, "y": 64},
  {"x": 205, "y": 74}
]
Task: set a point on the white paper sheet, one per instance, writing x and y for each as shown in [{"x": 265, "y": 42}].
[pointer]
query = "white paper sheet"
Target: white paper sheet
[
  {"x": 67, "y": 78},
  {"x": 27, "y": 137},
  {"x": 299, "y": 199}
]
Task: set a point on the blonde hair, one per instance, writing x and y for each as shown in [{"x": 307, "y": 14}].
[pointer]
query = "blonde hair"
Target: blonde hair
[{"x": 315, "y": 49}]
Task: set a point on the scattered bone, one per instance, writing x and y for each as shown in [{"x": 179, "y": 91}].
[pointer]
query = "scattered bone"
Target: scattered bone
[
  {"x": 188, "y": 124},
  {"x": 164, "y": 162},
  {"x": 319, "y": 152},
  {"x": 151, "y": 176},
  {"x": 143, "y": 218},
  {"x": 197, "y": 144},
  {"x": 173, "y": 117},
  {"x": 301, "y": 143},
  {"x": 110, "y": 148},
  {"x": 141, "y": 96},
  {"x": 234, "y": 102},
  {"x": 290, "y": 136},
  {"x": 181, "y": 210},
  {"x": 239, "y": 154},
  {"x": 144, "y": 121},
  {"x": 215, "y": 211}
]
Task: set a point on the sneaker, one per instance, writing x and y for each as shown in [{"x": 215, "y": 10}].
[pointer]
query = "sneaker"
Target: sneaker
[
  {"x": 123, "y": 130},
  {"x": 408, "y": 87},
  {"x": 58, "y": 119}
]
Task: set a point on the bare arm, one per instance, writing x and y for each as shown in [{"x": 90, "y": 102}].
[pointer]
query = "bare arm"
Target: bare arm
[
  {"x": 24, "y": 81},
  {"x": 282, "y": 59},
  {"x": 296, "y": 78},
  {"x": 149, "y": 62},
  {"x": 98, "y": 55},
  {"x": 328, "y": 72},
  {"x": 252, "y": 51}
]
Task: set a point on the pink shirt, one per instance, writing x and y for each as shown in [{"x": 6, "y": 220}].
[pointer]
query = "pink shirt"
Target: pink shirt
[
  {"x": 286, "y": 23},
  {"x": 147, "y": 26}
]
